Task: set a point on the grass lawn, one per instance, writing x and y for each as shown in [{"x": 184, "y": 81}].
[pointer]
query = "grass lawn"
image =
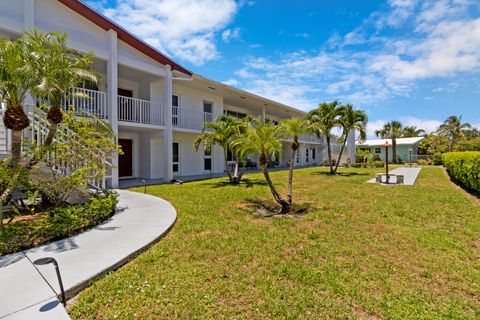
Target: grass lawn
[{"x": 365, "y": 251}]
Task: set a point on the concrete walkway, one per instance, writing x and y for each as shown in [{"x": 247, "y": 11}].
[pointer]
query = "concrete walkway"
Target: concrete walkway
[
  {"x": 409, "y": 175},
  {"x": 30, "y": 292}
]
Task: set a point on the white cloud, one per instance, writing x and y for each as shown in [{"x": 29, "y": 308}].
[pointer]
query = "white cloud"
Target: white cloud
[
  {"x": 231, "y": 34},
  {"x": 231, "y": 82},
  {"x": 429, "y": 125},
  {"x": 183, "y": 28}
]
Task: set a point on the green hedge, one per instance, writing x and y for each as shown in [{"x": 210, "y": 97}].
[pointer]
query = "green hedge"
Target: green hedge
[{"x": 464, "y": 167}]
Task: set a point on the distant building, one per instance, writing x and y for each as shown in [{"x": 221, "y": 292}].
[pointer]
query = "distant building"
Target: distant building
[{"x": 407, "y": 148}]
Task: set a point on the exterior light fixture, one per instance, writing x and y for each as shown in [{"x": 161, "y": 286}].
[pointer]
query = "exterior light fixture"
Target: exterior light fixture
[
  {"x": 386, "y": 145},
  {"x": 144, "y": 185},
  {"x": 48, "y": 260}
]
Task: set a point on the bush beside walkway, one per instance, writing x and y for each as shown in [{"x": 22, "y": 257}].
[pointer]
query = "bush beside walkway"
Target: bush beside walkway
[{"x": 464, "y": 167}]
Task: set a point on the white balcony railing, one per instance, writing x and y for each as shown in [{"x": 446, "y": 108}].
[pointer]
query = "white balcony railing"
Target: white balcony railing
[
  {"x": 140, "y": 111},
  {"x": 190, "y": 119},
  {"x": 86, "y": 100}
]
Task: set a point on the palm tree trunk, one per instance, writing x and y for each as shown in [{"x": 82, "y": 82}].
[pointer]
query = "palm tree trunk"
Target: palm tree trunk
[
  {"x": 329, "y": 150},
  {"x": 52, "y": 131},
  {"x": 340, "y": 155},
  {"x": 394, "y": 150},
  {"x": 227, "y": 167},
  {"x": 290, "y": 177},
  {"x": 285, "y": 205},
  {"x": 16, "y": 147}
]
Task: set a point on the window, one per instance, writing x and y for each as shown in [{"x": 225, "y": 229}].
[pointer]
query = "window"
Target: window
[
  {"x": 378, "y": 150},
  {"x": 238, "y": 115},
  {"x": 207, "y": 158},
  {"x": 313, "y": 153},
  {"x": 229, "y": 155},
  {"x": 175, "y": 106},
  {"x": 208, "y": 111},
  {"x": 176, "y": 156},
  {"x": 306, "y": 155}
]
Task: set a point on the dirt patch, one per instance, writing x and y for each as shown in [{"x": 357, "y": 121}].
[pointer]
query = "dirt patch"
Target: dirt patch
[{"x": 267, "y": 209}]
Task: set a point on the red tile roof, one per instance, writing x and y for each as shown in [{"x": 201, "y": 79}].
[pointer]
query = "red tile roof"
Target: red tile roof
[{"x": 105, "y": 23}]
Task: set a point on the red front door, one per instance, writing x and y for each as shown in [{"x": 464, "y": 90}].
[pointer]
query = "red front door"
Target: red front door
[{"x": 126, "y": 159}]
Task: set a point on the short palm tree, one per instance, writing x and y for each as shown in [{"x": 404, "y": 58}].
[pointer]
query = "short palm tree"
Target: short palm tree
[
  {"x": 322, "y": 120},
  {"x": 221, "y": 132},
  {"x": 264, "y": 138},
  {"x": 391, "y": 130},
  {"x": 59, "y": 68},
  {"x": 351, "y": 119},
  {"x": 412, "y": 131},
  {"x": 293, "y": 128},
  {"x": 16, "y": 80},
  {"x": 453, "y": 128}
]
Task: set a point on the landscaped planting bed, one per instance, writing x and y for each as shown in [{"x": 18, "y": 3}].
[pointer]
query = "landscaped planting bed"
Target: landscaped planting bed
[
  {"x": 363, "y": 251},
  {"x": 31, "y": 230}
]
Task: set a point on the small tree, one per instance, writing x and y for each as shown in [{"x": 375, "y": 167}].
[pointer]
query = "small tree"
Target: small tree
[
  {"x": 264, "y": 139},
  {"x": 322, "y": 121},
  {"x": 351, "y": 119},
  {"x": 221, "y": 132},
  {"x": 412, "y": 131},
  {"x": 391, "y": 130},
  {"x": 454, "y": 129},
  {"x": 293, "y": 128}
]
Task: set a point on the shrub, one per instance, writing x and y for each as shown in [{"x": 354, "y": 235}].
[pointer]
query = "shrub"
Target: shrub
[
  {"x": 422, "y": 162},
  {"x": 377, "y": 164},
  {"x": 468, "y": 145},
  {"x": 464, "y": 167},
  {"x": 437, "y": 159}
]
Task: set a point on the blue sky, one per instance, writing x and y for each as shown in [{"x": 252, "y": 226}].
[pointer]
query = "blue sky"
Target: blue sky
[{"x": 409, "y": 60}]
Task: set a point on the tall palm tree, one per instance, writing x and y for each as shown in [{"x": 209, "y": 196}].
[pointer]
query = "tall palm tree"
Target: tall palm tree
[
  {"x": 221, "y": 132},
  {"x": 293, "y": 128},
  {"x": 16, "y": 80},
  {"x": 59, "y": 68},
  {"x": 264, "y": 139},
  {"x": 453, "y": 128},
  {"x": 351, "y": 119},
  {"x": 391, "y": 130},
  {"x": 412, "y": 131},
  {"x": 322, "y": 120}
]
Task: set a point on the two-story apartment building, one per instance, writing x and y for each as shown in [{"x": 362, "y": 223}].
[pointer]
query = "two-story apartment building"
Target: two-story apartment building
[{"x": 155, "y": 106}]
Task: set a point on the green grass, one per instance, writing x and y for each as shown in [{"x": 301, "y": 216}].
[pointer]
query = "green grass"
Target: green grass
[{"x": 365, "y": 251}]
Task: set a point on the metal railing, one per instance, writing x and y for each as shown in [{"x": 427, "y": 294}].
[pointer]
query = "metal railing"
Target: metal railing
[
  {"x": 86, "y": 100},
  {"x": 140, "y": 111},
  {"x": 190, "y": 119}
]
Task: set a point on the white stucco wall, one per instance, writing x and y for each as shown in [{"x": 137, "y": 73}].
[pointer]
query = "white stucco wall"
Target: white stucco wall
[
  {"x": 11, "y": 16},
  {"x": 193, "y": 99}
]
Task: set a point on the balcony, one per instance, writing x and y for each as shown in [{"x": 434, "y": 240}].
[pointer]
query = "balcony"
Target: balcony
[
  {"x": 89, "y": 101},
  {"x": 311, "y": 138},
  {"x": 140, "y": 111},
  {"x": 190, "y": 119}
]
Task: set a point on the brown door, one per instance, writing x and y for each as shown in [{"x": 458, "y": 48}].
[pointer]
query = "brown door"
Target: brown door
[
  {"x": 125, "y": 160},
  {"x": 125, "y": 93}
]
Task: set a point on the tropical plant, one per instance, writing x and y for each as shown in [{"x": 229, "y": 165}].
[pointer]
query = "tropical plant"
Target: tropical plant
[
  {"x": 221, "y": 132},
  {"x": 58, "y": 68},
  {"x": 464, "y": 167},
  {"x": 322, "y": 120},
  {"x": 472, "y": 133},
  {"x": 16, "y": 80},
  {"x": 391, "y": 130},
  {"x": 432, "y": 144},
  {"x": 412, "y": 131},
  {"x": 351, "y": 120},
  {"x": 454, "y": 129},
  {"x": 468, "y": 145},
  {"x": 264, "y": 139},
  {"x": 293, "y": 129}
]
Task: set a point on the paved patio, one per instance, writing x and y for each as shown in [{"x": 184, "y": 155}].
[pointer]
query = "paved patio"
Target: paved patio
[
  {"x": 31, "y": 291},
  {"x": 409, "y": 175}
]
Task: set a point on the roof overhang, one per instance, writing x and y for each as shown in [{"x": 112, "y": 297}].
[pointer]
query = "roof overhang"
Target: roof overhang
[{"x": 107, "y": 24}]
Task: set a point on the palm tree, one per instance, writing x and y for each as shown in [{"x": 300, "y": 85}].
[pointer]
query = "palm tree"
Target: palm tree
[
  {"x": 412, "y": 131},
  {"x": 59, "y": 68},
  {"x": 221, "y": 132},
  {"x": 293, "y": 128},
  {"x": 351, "y": 119},
  {"x": 453, "y": 128},
  {"x": 264, "y": 138},
  {"x": 322, "y": 120},
  {"x": 16, "y": 79},
  {"x": 391, "y": 130}
]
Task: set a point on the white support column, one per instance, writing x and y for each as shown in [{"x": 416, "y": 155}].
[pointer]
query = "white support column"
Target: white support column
[
  {"x": 168, "y": 134},
  {"x": 29, "y": 14},
  {"x": 263, "y": 115},
  {"x": 112, "y": 90},
  {"x": 352, "y": 148}
]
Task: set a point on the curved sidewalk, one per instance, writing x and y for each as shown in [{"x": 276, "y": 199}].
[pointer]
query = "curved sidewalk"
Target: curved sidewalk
[{"x": 31, "y": 291}]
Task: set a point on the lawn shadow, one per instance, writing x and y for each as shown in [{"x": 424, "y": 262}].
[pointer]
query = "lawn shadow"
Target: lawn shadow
[
  {"x": 247, "y": 183},
  {"x": 340, "y": 174},
  {"x": 266, "y": 208}
]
